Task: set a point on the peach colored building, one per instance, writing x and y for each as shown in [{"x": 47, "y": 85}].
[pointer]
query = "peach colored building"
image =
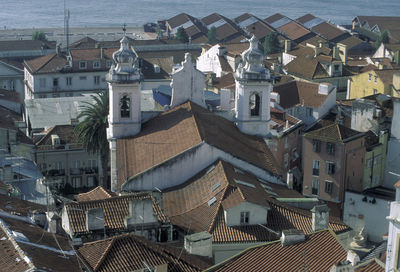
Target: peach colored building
[{"x": 333, "y": 161}]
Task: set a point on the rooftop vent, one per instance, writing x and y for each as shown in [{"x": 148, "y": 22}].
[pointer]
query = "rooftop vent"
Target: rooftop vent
[
  {"x": 292, "y": 236},
  {"x": 245, "y": 183}
]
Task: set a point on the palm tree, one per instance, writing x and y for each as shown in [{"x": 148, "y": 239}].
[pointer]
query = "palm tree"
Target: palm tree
[{"x": 91, "y": 131}]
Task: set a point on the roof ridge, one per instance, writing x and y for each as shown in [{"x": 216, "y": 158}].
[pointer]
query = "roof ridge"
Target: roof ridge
[
  {"x": 101, "y": 260},
  {"x": 338, "y": 129},
  {"x": 54, "y": 55},
  {"x": 113, "y": 198},
  {"x": 45, "y": 136},
  {"x": 218, "y": 208}
]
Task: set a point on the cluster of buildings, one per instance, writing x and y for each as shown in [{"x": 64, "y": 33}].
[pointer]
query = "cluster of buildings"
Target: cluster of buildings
[{"x": 220, "y": 154}]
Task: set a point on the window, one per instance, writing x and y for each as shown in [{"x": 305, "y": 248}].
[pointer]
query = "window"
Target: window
[
  {"x": 315, "y": 170},
  {"x": 309, "y": 112},
  {"x": 108, "y": 63},
  {"x": 314, "y": 186},
  {"x": 68, "y": 81},
  {"x": 42, "y": 82},
  {"x": 82, "y": 65},
  {"x": 330, "y": 148},
  {"x": 369, "y": 77},
  {"x": 76, "y": 164},
  {"x": 328, "y": 186},
  {"x": 125, "y": 105},
  {"x": 316, "y": 146},
  {"x": 76, "y": 182},
  {"x": 96, "y": 80},
  {"x": 375, "y": 79},
  {"x": 330, "y": 168},
  {"x": 336, "y": 67},
  {"x": 96, "y": 64},
  {"x": 375, "y": 91},
  {"x": 92, "y": 163},
  {"x": 90, "y": 181},
  {"x": 55, "y": 82},
  {"x": 254, "y": 104},
  {"x": 82, "y": 78},
  {"x": 58, "y": 165},
  {"x": 244, "y": 217}
]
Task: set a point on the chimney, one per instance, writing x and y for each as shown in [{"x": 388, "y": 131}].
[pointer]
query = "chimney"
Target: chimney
[
  {"x": 102, "y": 53},
  {"x": 288, "y": 45},
  {"x": 94, "y": 219},
  {"x": 58, "y": 49},
  {"x": 289, "y": 179},
  {"x": 292, "y": 236},
  {"x": 352, "y": 257},
  {"x": 320, "y": 217},
  {"x": 221, "y": 51},
  {"x": 323, "y": 88},
  {"x": 199, "y": 244}
]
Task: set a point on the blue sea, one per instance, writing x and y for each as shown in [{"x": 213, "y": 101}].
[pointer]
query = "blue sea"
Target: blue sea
[{"x": 50, "y": 13}]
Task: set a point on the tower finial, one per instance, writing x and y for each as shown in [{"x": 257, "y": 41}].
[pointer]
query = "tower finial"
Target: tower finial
[{"x": 124, "y": 29}]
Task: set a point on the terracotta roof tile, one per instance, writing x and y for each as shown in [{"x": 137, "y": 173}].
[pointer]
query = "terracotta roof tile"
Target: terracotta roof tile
[
  {"x": 97, "y": 193},
  {"x": 10, "y": 258},
  {"x": 296, "y": 93},
  {"x": 183, "y": 128},
  {"x": 129, "y": 252},
  {"x": 306, "y": 67},
  {"x": 294, "y": 30},
  {"x": 225, "y": 82},
  {"x": 18, "y": 206},
  {"x": 16, "y": 45},
  {"x": 373, "y": 265},
  {"x": 329, "y": 31},
  {"x": 305, "y": 18},
  {"x": 115, "y": 210},
  {"x": 318, "y": 252},
  {"x": 10, "y": 96},
  {"x": 331, "y": 131}
]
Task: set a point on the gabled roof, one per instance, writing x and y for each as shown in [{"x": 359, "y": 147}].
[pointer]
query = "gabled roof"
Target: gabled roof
[
  {"x": 387, "y": 75},
  {"x": 65, "y": 132},
  {"x": 295, "y": 93},
  {"x": 22, "y": 45},
  {"x": 46, "y": 64},
  {"x": 280, "y": 119},
  {"x": 115, "y": 210},
  {"x": 97, "y": 193},
  {"x": 226, "y": 30},
  {"x": 130, "y": 252},
  {"x": 37, "y": 248},
  {"x": 181, "y": 129},
  {"x": 199, "y": 204},
  {"x": 326, "y": 130},
  {"x": 319, "y": 252},
  {"x": 307, "y": 68},
  {"x": 254, "y": 25}
]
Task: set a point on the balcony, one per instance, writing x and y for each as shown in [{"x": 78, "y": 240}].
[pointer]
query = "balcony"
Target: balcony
[
  {"x": 76, "y": 171},
  {"x": 91, "y": 170},
  {"x": 54, "y": 172}
]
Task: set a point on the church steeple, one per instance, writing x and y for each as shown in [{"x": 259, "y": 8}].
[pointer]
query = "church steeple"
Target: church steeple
[
  {"x": 253, "y": 88},
  {"x": 124, "y": 80}
]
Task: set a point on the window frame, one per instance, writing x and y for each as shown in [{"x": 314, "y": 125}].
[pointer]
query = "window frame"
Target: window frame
[
  {"x": 96, "y": 80},
  {"x": 328, "y": 186},
  {"x": 82, "y": 64},
  {"x": 330, "y": 167},
  {"x": 330, "y": 148},
  {"x": 313, "y": 182},
  {"x": 315, "y": 171},
  {"x": 244, "y": 217},
  {"x": 96, "y": 64}
]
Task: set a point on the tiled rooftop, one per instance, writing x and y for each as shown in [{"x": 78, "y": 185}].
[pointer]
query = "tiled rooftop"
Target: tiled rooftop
[{"x": 97, "y": 193}]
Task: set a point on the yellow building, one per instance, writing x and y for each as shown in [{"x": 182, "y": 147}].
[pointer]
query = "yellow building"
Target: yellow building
[{"x": 374, "y": 81}]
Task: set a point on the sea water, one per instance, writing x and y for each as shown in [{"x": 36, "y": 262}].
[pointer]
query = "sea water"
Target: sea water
[{"x": 90, "y": 13}]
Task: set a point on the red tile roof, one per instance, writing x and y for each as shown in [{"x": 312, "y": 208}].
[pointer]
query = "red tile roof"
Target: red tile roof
[
  {"x": 319, "y": 252},
  {"x": 183, "y": 128},
  {"x": 130, "y": 252},
  {"x": 331, "y": 131},
  {"x": 115, "y": 210},
  {"x": 373, "y": 265},
  {"x": 97, "y": 193},
  {"x": 187, "y": 205}
]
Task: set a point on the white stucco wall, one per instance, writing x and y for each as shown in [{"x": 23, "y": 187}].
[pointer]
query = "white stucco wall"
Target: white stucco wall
[
  {"x": 65, "y": 222},
  {"x": 358, "y": 214},
  {"x": 392, "y": 173},
  {"x": 257, "y": 214},
  {"x": 209, "y": 62},
  {"x": 286, "y": 58},
  {"x": 184, "y": 166}
]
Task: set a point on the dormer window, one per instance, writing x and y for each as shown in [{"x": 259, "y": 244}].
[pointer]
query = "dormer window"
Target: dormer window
[
  {"x": 96, "y": 64},
  {"x": 254, "y": 104},
  {"x": 125, "y": 105},
  {"x": 108, "y": 63},
  {"x": 244, "y": 218},
  {"x": 83, "y": 65}
]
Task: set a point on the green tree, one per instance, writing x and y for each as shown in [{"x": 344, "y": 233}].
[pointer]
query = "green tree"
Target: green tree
[
  {"x": 383, "y": 38},
  {"x": 91, "y": 131},
  {"x": 182, "y": 35},
  {"x": 271, "y": 43},
  {"x": 39, "y": 35},
  {"x": 212, "y": 36}
]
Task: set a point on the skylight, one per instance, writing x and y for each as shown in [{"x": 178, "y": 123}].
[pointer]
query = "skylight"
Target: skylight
[
  {"x": 215, "y": 186},
  {"x": 211, "y": 201},
  {"x": 210, "y": 169},
  {"x": 244, "y": 183}
]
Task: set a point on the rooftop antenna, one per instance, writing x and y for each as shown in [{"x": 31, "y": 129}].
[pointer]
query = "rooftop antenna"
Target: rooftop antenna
[{"x": 66, "y": 25}]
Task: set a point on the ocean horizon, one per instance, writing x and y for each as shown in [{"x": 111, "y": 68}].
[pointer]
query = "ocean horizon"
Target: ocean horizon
[{"x": 101, "y": 13}]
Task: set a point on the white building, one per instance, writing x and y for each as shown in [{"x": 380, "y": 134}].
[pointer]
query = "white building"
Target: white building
[{"x": 393, "y": 248}]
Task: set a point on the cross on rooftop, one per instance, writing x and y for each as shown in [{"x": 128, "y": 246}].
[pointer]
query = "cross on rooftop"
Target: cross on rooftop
[{"x": 124, "y": 29}]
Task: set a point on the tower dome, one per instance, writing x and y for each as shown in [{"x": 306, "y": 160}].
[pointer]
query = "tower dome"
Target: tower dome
[
  {"x": 124, "y": 55},
  {"x": 252, "y": 66}
]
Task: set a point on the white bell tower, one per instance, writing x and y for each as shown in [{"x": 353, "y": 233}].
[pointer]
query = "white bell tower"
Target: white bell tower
[
  {"x": 253, "y": 88},
  {"x": 124, "y": 119},
  {"x": 124, "y": 79}
]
